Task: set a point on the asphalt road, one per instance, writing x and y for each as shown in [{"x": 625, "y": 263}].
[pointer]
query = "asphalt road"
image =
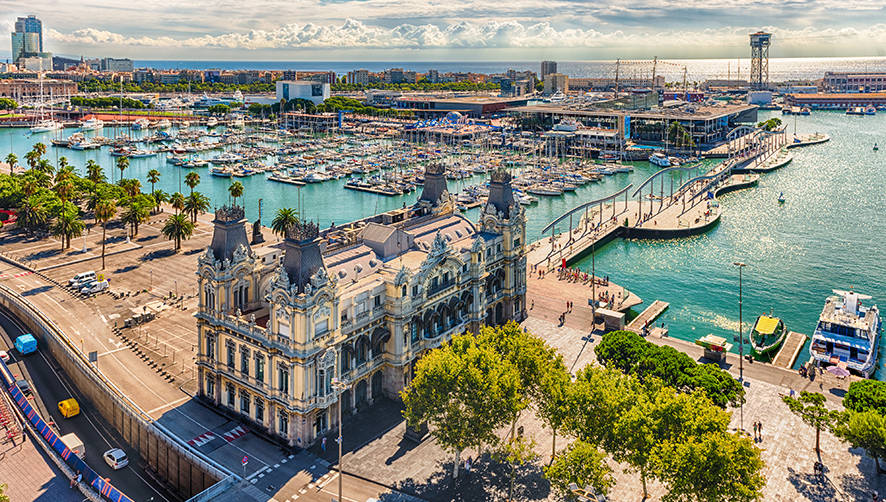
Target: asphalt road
[{"x": 50, "y": 386}]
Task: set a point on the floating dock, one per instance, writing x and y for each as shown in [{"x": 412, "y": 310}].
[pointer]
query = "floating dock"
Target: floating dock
[
  {"x": 647, "y": 316},
  {"x": 790, "y": 350}
]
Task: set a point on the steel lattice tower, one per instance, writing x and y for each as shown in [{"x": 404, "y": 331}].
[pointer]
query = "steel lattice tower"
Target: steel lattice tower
[{"x": 760, "y": 42}]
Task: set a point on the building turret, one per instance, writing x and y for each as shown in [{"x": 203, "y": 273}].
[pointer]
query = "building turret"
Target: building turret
[
  {"x": 229, "y": 232},
  {"x": 302, "y": 257},
  {"x": 435, "y": 184},
  {"x": 501, "y": 195}
]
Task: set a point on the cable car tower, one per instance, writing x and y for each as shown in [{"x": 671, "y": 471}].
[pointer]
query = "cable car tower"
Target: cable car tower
[{"x": 760, "y": 42}]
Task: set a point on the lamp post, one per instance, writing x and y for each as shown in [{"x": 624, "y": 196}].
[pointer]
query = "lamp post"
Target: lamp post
[
  {"x": 740, "y": 266},
  {"x": 340, "y": 386}
]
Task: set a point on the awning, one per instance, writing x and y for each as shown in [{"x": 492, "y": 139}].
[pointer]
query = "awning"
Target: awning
[{"x": 766, "y": 325}]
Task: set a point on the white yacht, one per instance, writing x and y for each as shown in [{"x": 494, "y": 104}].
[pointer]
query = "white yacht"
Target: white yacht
[
  {"x": 141, "y": 124},
  {"x": 164, "y": 124},
  {"x": 46, "y": 126},
  {"x": 660, "y": 159},
  {"x": 91, "y": 124},
  {"x": 847, "y": 333}
]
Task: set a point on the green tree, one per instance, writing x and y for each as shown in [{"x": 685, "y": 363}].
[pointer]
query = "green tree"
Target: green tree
[
  {"x": 866, "y": 395},
  {"x": 715, "y": 467},
  {"x": 192, "y": 179},
  {"x": 12, "y": 161},
  {"x": 159, "y": 198},
  {"x": 583, "y": 464},
  {"x": 219, "y": 109},
  {"x": 811, "y": 409},
  {"x": 67, "y": 224},
  {"x": 153, "y": 178},
  {"x": 136, "y": 212},
  {"x": 94, "y": 172},
  {"x": 3, "y": 496},
  {"x": 131, "y": 186},
  {"x": 122, "y": 164},
  {"x": 196, "y": 204},
  {"x": 516, "y": 450},
  {"x": 285, "y": 219},
  {"x": 8, "y": 104},
  {"x": 32, "y": 214},
  {"x": 865, "y": 430},
  {"x": 178, "y": 227},
  {"x": 236, "y": 190},
  {"x": 178, "y": 201},
  {"x": 104, "y": 211},
  {"x": 465, "y": 392},
  {"x": 32, "y": 158},
  {"x": 771, "y": 124}
]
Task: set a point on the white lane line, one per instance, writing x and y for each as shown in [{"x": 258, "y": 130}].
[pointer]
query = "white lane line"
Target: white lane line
[
  {"x": 108, "y": 352},
  {"x": 169, "y": 404}
]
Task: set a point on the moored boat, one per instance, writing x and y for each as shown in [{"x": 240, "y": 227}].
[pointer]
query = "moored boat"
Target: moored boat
[
  {"x": 847, "y": 334},
  {"x": 767, "y": 336}
]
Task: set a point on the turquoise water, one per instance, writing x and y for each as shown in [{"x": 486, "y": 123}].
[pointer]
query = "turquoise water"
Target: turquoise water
[{"x": 827, "y": 235}]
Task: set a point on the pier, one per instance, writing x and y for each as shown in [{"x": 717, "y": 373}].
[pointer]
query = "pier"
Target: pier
[
  {"x": 647, "y": 316},
  {"x": 790, "y": 350}
]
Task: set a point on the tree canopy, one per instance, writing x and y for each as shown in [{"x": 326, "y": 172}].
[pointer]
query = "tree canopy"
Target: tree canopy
[{"x": 866, "y": 395}]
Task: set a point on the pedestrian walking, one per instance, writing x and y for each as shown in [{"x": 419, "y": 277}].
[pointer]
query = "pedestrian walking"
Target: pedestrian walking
[
  {"x": 760, "y": 430},
  {"x": 531, "y": 304},
  {"x": 468, "y": 466},
  {"x": 323, "y": 445}
]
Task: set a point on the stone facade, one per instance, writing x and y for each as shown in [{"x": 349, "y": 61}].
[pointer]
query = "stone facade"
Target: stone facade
[{"x": 277, "y": 324}]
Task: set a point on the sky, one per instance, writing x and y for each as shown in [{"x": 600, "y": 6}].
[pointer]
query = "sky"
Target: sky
[{"x": 451, "y": 30}]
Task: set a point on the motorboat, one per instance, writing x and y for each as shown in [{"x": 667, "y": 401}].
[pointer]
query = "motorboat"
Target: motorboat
[
  {"x": 91, "y": 124},
  {"x": 767, "y": 336},
  {"x": 141, "y": 124},
  {"x": 660, "y": 159}
]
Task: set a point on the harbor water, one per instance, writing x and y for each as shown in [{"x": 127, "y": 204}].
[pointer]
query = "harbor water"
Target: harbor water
[{"x": 826, "y": 236}]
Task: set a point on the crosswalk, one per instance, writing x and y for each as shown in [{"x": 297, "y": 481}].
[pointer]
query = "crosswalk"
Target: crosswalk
[{"x": 229, "y": 436}]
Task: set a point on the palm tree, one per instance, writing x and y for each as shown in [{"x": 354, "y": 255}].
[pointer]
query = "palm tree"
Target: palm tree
[
  {"x": 67, "y": 224},
  {"x": 94, "y": 172},
  {"x": 153, "y": 178},
  {"x": 178, "y": 227},
  {"x": 178, "y": 201},
  {"x": 44, "y": 166},
  {"x": 12, "y": 160},
  {"x": 196, "y": 204},
  {"x": 40, "y": 148},
  {"x": 284, "y": 220},
  {"x": 63, "y": 163},
  {"x": 159, "y": 198},
  {"x": 65, "y": 190},
  {"x": 104, "y": 211},
  {"x": 122, "y": 164},
  {"x": 192, "y": 179},
  {"x": 236, "y": 190},
  {"x": 131, "y": 186},
  {"x": 31, "y": 215},
  {"x": 135, "y": 214},
  {"x": 32, "y": 158}
]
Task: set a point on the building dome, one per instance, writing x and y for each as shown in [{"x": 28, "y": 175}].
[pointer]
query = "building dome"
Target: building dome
[{"x": 453, "y": 117}]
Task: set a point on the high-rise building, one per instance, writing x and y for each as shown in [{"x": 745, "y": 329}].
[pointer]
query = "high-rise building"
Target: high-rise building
[
  {"x": 27, "y": 41},
  {"x": 556, "y": 82},
  {"x": 31, "y": 24},
  {"x": 358, "y": 77},
  {"x": 548, "y": 67}
]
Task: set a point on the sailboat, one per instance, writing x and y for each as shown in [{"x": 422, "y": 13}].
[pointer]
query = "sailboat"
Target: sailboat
[{"x": 45, "y": 125}]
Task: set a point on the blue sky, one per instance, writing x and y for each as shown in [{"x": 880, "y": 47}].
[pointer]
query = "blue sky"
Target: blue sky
[{"x": 422, "y": 30}]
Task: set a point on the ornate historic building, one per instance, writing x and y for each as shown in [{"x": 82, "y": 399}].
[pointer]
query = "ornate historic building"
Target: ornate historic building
[{"x": 360, "y": 303}]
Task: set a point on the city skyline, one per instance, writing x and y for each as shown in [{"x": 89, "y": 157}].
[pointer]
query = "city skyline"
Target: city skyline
[{"x": 461, "y": 30}]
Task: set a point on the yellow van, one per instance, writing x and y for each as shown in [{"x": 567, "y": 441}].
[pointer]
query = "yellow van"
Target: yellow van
[{"x": 69, "y": 407}]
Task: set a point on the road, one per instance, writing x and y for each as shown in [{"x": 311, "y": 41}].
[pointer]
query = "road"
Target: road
[{"x": 50, "y": 387}]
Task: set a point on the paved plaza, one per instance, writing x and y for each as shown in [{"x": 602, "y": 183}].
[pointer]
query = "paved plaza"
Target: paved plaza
[{"x": 30, "y": 475}]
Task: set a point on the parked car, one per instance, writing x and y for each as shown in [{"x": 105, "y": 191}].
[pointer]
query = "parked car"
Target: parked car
[
  {"x": 82, "y": 278},
  {"x": 24, "y": 386},
  {"x": 116, "y": 458},
  {"x": 4, "y": 356},
  {"x": 94, "y": 287}
]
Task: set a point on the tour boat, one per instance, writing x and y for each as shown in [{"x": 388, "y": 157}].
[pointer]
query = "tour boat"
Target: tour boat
[
  {"x": 660, "y": 159},
  {"x": 223, "y": 172},
  {"x": 767, "y": 336},
  {"x": 847, "y": 333},
  {"x": 140, "y": 124}
]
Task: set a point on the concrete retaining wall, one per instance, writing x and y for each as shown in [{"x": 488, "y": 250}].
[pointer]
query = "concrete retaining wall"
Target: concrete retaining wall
[{"x": 181, "y": 470}]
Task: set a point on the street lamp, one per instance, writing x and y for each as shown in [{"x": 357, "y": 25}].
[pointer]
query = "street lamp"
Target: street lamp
[
  {"x": 740, "y": 266},
  {"x": 586, "y": 494},
  {"x": 340, "y": 386}
]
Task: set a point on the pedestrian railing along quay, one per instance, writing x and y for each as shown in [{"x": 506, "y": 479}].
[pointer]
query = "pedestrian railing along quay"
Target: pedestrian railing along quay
[{"x": 163, "y": 451}]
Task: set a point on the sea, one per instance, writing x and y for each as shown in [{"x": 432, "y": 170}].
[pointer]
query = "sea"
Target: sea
[
  {"x": 697, "y": 70},
  {"x": 827, "y": 235}
]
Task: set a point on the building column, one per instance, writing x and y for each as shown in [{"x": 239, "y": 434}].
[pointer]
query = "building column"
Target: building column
[
  {"x": 369, "y": 390},
  {"x": 353, "y": 396}
]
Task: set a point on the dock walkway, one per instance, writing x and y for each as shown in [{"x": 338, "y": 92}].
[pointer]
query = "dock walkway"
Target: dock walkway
[
  {"x": 647, "y": 316},
  {"x": 790, "y": 350}
]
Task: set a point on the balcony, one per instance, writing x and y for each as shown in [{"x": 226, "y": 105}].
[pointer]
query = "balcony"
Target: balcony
[{"x": 438, "y": 288}]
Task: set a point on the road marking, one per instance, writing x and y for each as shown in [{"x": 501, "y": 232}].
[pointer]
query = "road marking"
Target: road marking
[
  {"x": 171, "y": 403},
  {"x": 201, "y": 439},
  {"x": 111, "y": 351},
  {"x": 235, "y": 433}
]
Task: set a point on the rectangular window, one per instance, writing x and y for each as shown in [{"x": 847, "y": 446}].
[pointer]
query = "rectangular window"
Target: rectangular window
[
  {"x": 230, "y": 348},
  {"x": 210, "y": 348},
  {"x": 377, "y": 301},
  {"x": 210, "y": 386},
  {"x": 244, "y": 402},
  {"x": 230, "y": 395},
  {"x": 321, "y": 327},
  {"x": 260, "y": 368},
  {"x": 244, "y": 361},
  {"x": 259, "y": 410},
  {"x": 415, "y": 290},
  {"x": 283, "y": 381}
]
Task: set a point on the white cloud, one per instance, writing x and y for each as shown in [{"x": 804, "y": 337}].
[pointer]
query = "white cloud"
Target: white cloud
[{"x": 465, "y": 35}]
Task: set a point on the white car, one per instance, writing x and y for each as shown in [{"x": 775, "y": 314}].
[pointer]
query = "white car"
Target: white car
[
  {"x": 82, "y": 278},
  {"x": 94, "y": 287},
  {"x": 116, "y": 458},
  {"x": 4, "y": 356}
]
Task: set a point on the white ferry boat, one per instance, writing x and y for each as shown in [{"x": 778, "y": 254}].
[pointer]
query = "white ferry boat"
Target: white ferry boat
[{"x": 847, "y": 333}]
